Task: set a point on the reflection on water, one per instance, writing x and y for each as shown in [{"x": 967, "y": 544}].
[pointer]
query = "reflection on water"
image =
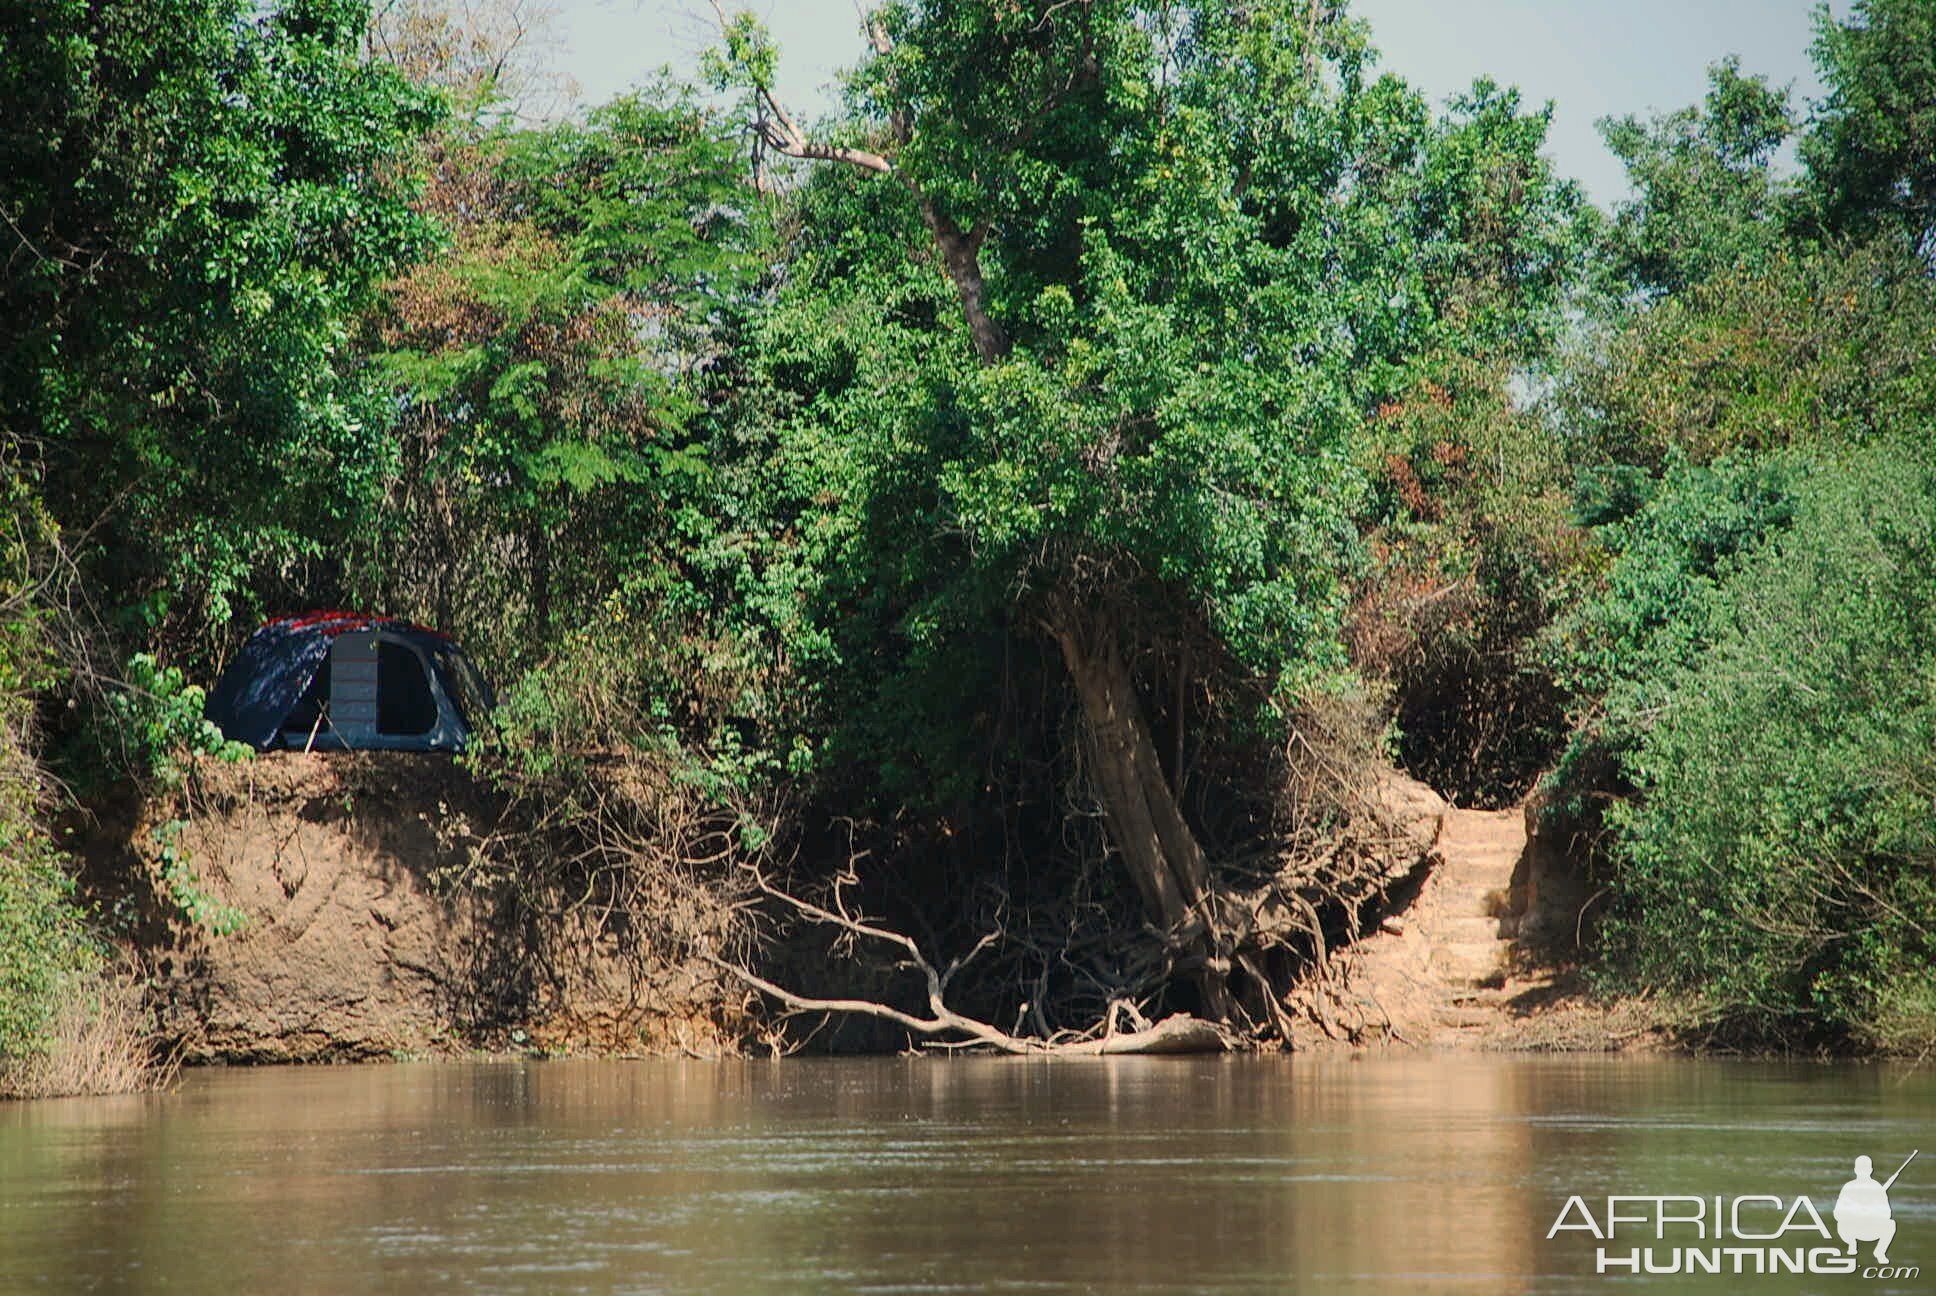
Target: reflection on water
[{"x": 1417, "y": 1174}]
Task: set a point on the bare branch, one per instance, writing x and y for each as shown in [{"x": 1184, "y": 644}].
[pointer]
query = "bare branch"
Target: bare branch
[
  {"x": 779, "y": 131},
  {"x": 944, "y": 1026},
  {"x": 1048, "y": 15}
]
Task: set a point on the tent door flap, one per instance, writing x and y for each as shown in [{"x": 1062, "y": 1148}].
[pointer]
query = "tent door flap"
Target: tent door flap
[{"x": 353, "y": 685}]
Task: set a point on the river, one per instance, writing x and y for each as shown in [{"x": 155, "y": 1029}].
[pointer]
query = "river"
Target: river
[{"x": 1393, "y": 1174}]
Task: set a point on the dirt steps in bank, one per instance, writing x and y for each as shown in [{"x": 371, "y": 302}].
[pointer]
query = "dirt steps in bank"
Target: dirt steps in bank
[
  {"x": 1472, "y": 917},
  {"x": 1443, "y": 964}
]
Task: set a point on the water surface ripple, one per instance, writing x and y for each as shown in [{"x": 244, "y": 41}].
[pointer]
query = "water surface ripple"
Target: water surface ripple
[{"x": 907, "y": 1175}]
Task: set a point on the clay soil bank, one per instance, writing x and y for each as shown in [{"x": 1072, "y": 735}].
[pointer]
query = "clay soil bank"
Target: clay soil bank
[{"x": 365, "y": 933}]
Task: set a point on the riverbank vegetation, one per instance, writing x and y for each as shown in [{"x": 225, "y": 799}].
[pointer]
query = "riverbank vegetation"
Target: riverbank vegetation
[{"x": 1027, "y": 507}]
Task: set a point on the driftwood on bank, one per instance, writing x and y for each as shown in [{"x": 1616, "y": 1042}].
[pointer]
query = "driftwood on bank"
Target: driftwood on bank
[
  {"x": 1177, "y": 1034},
  {"x": 944, "y": 1027}
]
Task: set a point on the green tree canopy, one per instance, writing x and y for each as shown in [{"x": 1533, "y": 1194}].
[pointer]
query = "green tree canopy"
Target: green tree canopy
[
  {"x": 549, "y": 365},
  {"x": 1188, "y": 248},
  {"x": 1707, "y": 198},
  {"x": 1777, "y": 862},
  {"x": 198, "y": 197},
  {"x": 1871, "y": 149}
]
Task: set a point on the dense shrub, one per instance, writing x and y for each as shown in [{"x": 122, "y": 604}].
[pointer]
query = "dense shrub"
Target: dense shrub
[
  {"x": 1674, "y": 542},
  {"x": 1471, "y": 556},
  {"x": 45, "y": 950},
  {"x": 1779, "y": 859}
]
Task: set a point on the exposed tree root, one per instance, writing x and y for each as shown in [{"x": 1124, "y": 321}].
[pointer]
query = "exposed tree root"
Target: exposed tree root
[{"x": 1340, "y": 831}]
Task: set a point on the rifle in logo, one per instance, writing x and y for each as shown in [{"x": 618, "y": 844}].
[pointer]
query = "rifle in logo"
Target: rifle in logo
[{"x": 1862, "y": 1210}]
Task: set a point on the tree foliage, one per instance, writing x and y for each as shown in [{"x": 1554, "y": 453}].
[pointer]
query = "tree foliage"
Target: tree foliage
[
  {"x": 1777, "y": 858},
  {"x": 1708, "y": 198},
  {"x": 1751, "y": 429},
  {"x": 999, "y": 469},
  {"x": 45, "y": 945},
  {"x": 1820, "y": 348},
  {"x": 199, "y": 197},
  {"x": 1871, "y": 149},
  {"x": 550, "y": 367},
  {"x": 1189, "y": 250}
]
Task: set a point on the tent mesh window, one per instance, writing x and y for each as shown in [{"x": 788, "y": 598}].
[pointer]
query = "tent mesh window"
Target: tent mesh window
[
  {"x": 310, "y": 714},
  {"x": 404, "y": 705},
  {"x": 461, "y": 684}
]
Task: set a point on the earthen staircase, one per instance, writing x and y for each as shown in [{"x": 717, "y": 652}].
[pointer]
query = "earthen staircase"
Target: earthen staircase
[
  {"x": 1435, "y": 971},
  {"x": 1472, "y": 913}
]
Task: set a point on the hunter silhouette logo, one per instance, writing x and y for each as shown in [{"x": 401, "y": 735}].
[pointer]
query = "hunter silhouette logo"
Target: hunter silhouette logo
[
  {"x": 1755, "y": 1233},
  {"x": 1862, "y": 1211}
]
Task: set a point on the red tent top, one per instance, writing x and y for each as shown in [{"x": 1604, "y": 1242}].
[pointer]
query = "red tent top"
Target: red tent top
[{"x": 333, "y": 621}]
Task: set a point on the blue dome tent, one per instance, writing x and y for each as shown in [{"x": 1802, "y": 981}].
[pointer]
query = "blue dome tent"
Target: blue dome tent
[{"x": 344, "y": 680}]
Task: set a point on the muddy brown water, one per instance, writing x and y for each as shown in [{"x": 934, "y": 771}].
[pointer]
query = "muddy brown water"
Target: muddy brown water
[{"x": 1415, "y": 1174}]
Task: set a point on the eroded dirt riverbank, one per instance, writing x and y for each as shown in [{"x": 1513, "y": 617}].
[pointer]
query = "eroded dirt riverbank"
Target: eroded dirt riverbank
[{"x": 357, "y": 942}]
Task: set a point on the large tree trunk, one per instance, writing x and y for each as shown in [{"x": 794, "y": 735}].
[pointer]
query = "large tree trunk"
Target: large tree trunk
[
  {"x": 540, "y": 541},
  {"x": 1139, "y": 806},
  {"x": 961, "y": 257},
  {"x": 1141, "y": 813}
]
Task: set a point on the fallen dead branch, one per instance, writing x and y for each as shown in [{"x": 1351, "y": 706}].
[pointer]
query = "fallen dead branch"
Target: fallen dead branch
[{"x": 1177, "y": 1034}]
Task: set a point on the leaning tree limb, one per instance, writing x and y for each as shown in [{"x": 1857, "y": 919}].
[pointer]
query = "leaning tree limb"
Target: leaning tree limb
[{"x": 960, "y": 248}]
